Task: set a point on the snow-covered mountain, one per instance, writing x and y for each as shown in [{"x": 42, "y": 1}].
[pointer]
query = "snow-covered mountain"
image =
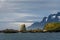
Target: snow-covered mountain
[{"x": 50, "y": 18}]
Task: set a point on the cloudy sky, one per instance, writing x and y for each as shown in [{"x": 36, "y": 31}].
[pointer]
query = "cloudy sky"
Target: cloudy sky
[{"x": 15, "y": 12}]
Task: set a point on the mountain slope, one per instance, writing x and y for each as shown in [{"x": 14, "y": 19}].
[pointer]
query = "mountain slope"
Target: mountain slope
[
  {"x": 50, "y": 18},
  {"x": 53, "y": 26}
]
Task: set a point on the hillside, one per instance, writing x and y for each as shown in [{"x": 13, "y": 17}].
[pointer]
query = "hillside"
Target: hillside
[
  {"x": 45, "y": 20},
  {"x": 53, "y": 26}
]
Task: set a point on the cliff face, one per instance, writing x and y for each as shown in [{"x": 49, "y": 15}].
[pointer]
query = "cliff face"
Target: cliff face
[{"x": 50, "y": 18}]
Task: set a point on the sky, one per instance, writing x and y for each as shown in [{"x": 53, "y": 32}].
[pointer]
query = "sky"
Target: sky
[{"x": 16, "y": 12}]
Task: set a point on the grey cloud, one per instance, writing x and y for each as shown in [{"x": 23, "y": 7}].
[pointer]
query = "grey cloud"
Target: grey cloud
[
  {"x": 12, "y": 7},
  {"x": 40, "y": 5}
]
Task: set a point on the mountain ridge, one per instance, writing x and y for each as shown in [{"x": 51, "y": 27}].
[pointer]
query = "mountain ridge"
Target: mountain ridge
[{"x": 50, "y": 18}]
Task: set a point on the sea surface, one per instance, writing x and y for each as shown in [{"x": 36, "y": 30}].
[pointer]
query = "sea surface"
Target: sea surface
[{"x": 30, "y": 36}]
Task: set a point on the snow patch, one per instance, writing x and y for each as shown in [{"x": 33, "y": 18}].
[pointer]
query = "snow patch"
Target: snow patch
[
  {"x": 59, "y": 17},
  {"x": 54, "y": 16}
]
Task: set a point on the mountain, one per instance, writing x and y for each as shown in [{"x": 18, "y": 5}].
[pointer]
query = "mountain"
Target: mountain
[
  {"x": 34, "y": 25},
  {"x": 38, "y": 24},
  {"x": 50, "y": 18},
  {"x": 43, "y": 22},
  {"x": 54, "y": 17}
]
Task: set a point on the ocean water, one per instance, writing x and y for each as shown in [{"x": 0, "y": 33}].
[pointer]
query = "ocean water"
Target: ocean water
[{"x": 30, "y": 36}]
